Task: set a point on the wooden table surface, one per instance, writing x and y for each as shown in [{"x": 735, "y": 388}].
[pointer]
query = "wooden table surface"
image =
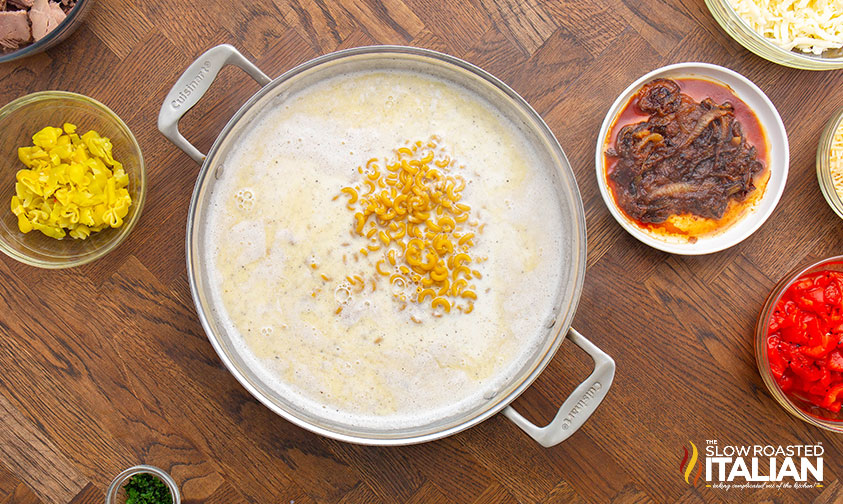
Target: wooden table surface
[{"x": 106, "y": 366}]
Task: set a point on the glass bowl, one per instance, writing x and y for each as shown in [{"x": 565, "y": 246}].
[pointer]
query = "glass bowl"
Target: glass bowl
[
  {"x": 62, "y": 31},
  {"x": 800, "y": 409},
  {"x": 22, "y": 118},
  {"x": 116, "y": 494},
  {"x": 743, "y": 33},
  {"x": 824, "y": 164}
]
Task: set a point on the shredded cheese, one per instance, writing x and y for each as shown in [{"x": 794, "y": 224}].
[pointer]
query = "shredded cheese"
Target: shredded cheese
[
  {"x": 836, "y": 161},
  {"x": 419, "y": 226},
  {"x": 809, "y": 26}
]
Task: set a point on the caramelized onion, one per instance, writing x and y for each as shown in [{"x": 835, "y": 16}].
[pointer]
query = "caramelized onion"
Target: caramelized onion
[{"x": 688, "y": 157}]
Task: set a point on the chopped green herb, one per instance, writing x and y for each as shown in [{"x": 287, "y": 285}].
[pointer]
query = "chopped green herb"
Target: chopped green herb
[{"x": 145, "y": 488}]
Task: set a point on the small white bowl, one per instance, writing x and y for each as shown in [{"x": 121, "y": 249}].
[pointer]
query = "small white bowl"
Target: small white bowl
[{"x": 779, "y": 160}]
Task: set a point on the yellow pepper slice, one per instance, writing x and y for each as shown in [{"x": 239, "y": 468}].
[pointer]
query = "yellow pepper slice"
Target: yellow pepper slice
[{"x": 71, "y": 184}]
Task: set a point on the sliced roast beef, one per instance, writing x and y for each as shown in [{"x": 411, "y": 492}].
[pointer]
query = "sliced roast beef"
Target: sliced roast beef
[
  {"x": 23, "y": 4},
  {"x": 44, "y": 16},
  {"x": 14, "y": 29}
]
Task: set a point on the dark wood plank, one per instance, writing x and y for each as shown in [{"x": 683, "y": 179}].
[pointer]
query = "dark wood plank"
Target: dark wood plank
[
  {"x": 8, "y": 482},
  {"x": 89, "y": 495},
  {"x": 495, "y": 494},
  {"x": 430, "y": 494},
  {"x": 106, "y": 366},
  {"x": 26, "y": 450},
  {"x": 21, "y": 495}
]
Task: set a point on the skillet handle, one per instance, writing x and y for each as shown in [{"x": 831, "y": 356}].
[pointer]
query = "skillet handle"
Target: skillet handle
[
  {"x": 579, "y": 406},
  {"x": 192, "y": 86}
]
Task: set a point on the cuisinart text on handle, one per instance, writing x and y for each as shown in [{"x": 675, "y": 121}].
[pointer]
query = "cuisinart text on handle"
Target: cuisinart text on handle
[
  {"x": 185, "y": 93},
  {"x": 581, "y": 404}
]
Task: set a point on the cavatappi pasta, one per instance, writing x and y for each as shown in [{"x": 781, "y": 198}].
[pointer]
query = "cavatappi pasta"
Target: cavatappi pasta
[
  {"x": 409, "y": 211},
  {"x": 836, "y": 161},
  {"x": 71, "y": 185}
]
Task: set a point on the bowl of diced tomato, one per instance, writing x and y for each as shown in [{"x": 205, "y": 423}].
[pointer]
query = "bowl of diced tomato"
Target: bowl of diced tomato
[{"x": 799, "y": 343}]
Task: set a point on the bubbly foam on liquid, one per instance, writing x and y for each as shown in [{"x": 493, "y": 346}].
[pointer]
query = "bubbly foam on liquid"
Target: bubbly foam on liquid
[{"x": 283, "y": 259}]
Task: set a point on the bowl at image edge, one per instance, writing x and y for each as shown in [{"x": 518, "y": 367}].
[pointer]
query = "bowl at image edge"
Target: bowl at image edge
[
  {"x": 740, "y": 30},
  {"x": 824, "y": 164},
  {"x": 24, "y": 117},
  {"x": 800, "y": 409},
  {"x": 117, "y": 495},
  {"x": 779, "y": 157},
  {"x": 62, "y": 31}
]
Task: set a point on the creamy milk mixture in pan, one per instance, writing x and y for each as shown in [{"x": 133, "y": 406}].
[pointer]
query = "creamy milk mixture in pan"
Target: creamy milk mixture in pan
[{"x": 328, "y": 311}]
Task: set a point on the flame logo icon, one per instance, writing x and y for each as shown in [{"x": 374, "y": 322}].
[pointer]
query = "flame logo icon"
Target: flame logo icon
[{"x": 686, "y": 470}]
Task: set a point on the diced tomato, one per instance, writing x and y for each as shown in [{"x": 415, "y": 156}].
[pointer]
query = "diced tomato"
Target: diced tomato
[
  {"x": 821, "y": 348},
  {"x": 835, "y": 361},
  {"x": 785, "y": 381},
  {"x": 805, "y": 340},
  {"x": 817, "y": 294},
  {"x": 812, "y": 328},
  {"x": 831, "y": 397},
  {"x": 811, "y": 299},
  {"x": 818, "y": 390},
  {"x": 802, "y": 284},
  {"x": 832, "y": 293},
  {"x": 796, "y": 333},
  {"x": 805, "y": 368},
  {"x": 775, "y": 321},
  {"x": 825, "y": 377},
  {"x": 774, "y": 355}
]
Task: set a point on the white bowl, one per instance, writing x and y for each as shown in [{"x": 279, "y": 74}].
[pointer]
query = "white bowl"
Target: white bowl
[{"x": 779, "y": 160}]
